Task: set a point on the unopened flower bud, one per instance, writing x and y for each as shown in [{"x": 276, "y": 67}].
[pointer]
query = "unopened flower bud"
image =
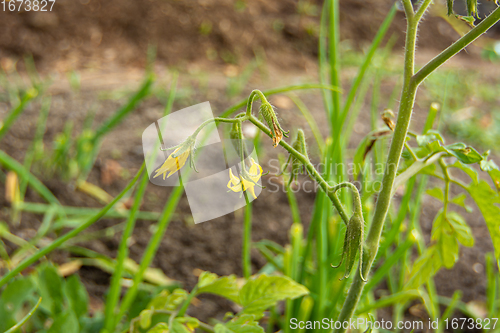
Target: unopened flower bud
[
  {"x": 236, "y": 136},
  {"x": 299, "y": 144},
  {"x": 353, "y": 242},
  {"x": 277, "y": 133}
]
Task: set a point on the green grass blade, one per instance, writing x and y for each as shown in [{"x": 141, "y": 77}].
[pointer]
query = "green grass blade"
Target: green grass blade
[
  {"x": 280, "y": 90},
  {"x": 111, "y": 319},
  {"x": 152, "y": 248},
  {"x": 114, "y": 289},
  {"x": 334, "y": 60},
  {"x": 59, "y": 241},
  {"x": 16, "y": 112},
  {"x": 23, "y": 173},
  {"x": 25, "y": 318},
  {"x": 40, "y": 130},
  {"x": 83, "y": 211},
  {"x": 322, "y": 57},
  {"x": 119, "y": 115},
  {"x": 310, "y": 121},
  {"x": 368, "y": 59}
]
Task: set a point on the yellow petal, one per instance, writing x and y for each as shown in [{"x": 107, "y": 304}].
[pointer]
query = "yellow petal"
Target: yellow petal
[
  {"x": 172, "y": 164},
  {"x": 252, "y": 191},
  {"x": 234, "y": 188},
  {"x": 233, "y": 178},
  {"x": 255, "y": 172}
]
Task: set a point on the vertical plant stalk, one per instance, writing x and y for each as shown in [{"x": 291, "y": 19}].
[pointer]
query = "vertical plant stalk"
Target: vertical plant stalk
[
  {"x": 247, "y": 239},
  {"x": 410, "y": 86}
]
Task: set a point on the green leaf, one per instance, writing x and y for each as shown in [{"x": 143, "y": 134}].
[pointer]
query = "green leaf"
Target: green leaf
[
  {"x": 487, "y": 200},
  {"x": 467, "y": 19},
  {"x": 263, "y": 291},
  {"x": 184, "y": 325},
  {"x": 51, "y": 288},
  {"x": 23, "y": 321},
  {"x": 159, "y": 328},
  {"x": 430, "y": 136},
  {"x": 77, "y": 295},
  {"x": 11, "y": 300},
  {"x": 446, "y": 241},
  {"x": 459, "y": 200},
  {"x": 437, "y": 193},
  {"x": 245, "y": 323},
  {"x": 492, "y": 169},
  {"x": 472, "y": 173},
  {"x": 424, "y": 268},
  {"x": 145, "y": 318},
  {"x": 462, "y": 230},
  {"x": 65, "y": 322},
  {"x": 463, "y": 153},
  {"x": 168, "y": 301},
  {"x": 225, "y": 286},
  {"x": 495, "y": 177}
]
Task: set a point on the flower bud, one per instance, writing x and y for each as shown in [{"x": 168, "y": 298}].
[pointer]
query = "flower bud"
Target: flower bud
[
  {"x": 277, "y": 133},
  {"x": 449, "y": 4},
  {"x": 353, "y": 241},
  {"x": 472, "y": 8},
  {"x": 236, "y": 136},
  {"x": 299, "y": 144}
]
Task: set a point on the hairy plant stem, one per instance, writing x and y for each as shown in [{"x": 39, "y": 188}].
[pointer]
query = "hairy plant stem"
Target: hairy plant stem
[
  {"x": 410, "y": 86},
  {"x": 314, "y": 174}
]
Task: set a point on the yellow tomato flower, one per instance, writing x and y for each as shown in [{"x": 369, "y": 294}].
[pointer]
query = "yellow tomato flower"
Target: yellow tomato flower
[
  {"x": 172, "y": 164},
  {"x": 241, "y": 184}
]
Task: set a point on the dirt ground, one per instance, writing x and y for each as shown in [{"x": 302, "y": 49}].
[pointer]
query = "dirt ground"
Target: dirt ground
[
  {"x": 90, "y": 33},
  {"x": 107, "y": 40}
]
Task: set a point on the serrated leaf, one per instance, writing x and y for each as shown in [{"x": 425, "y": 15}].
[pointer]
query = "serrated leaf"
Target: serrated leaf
[
  {"x": 472, "y": 173},
  {"x": 436, "y": 192},
  {"x": 492, "y": 169},
  {"x": 159, "y": 328},
  {"x": 430, "y": 136},
  {"x": 465, "y": 154},
  {"x": 225, "y": 286},
  {"x": 184, "y": 325},
  {"x": 424, "y": 268},
  {"x": 488, "y": 165},
  {"x": 467, "y": 19},
  {"x": 461, "y": 228},
  {"x": 487, "y": 200},
  {"x": 446, "y": 241},
  {"x": 168, "y": 301},
  {"x": 495, "y": 177},
  {"x": 145, "y": 318},
  {"x": 459, "y": 200},
  {"x": 245, "y": 323},
  {"x": 262, "y": 291}
]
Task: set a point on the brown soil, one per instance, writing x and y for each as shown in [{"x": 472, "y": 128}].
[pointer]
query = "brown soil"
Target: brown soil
[{"x": 88, "y": 33}]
